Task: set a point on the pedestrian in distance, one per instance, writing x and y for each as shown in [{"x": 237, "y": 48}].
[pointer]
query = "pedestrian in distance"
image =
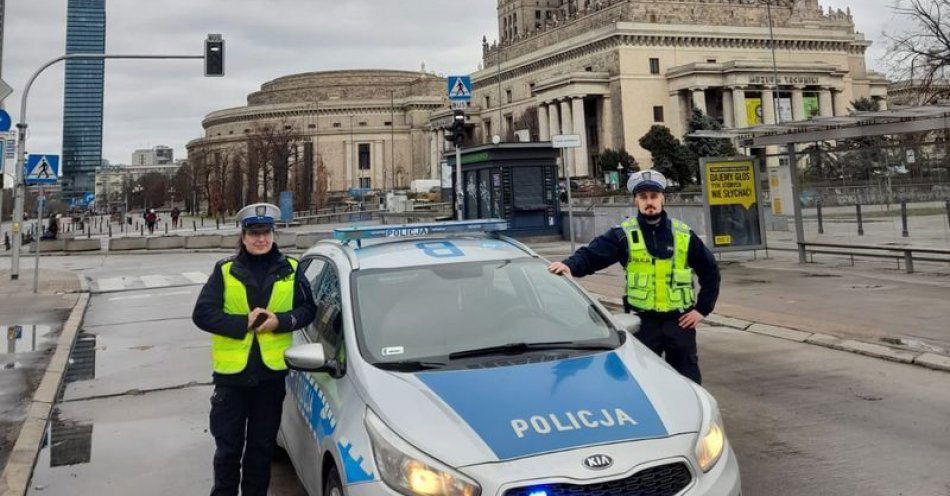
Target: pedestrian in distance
[
  {"x": 660, "y": 255},
  {"x": 175, "y": 213},
  {"x": 251, "y": 305},
  {"x": 151, "y": 218}
]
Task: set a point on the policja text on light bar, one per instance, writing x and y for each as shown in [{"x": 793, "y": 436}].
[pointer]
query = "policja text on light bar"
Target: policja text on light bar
[{"x": 419, "y": 230}]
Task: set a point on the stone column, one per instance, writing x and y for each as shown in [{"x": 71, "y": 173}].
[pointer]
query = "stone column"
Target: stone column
[
  {"x": 739, "y": 111},
  {"x": 798, "y": 103},
  {"x": 825, "y": 105},
  {"x": 567, "y": 127},
  {"x": 433, "y": 155},
  {"x": 606, "y": 122},
  {"x": 544, "y": 127},
  {"x": 554, "y": 119},
  {"x": 675, "y": 117},
  {"x": 699, "y": 99},
  {"x": 348, "y": 153},
  {"x": 841, "y": 103},
  {"x": 378, "y": 165},
  {"x": 728, "y": 112},
  {"x": 581, "y": 162},
  {"x": 882, "y": 103},
  {"x": 768, "y": 106}
]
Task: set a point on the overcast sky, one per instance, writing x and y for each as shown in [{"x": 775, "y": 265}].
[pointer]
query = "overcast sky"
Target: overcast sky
[{"x": 163, "y": 102}]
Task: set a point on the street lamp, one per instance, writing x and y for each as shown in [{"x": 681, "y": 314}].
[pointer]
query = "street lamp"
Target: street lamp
[{"x": 775, "y": 98}]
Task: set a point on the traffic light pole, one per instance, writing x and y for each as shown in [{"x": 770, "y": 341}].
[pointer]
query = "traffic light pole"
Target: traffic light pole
[{"x": 19, "y": 189}]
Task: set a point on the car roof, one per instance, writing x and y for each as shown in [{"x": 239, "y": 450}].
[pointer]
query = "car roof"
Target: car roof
[{"x": 421, "y": 251}]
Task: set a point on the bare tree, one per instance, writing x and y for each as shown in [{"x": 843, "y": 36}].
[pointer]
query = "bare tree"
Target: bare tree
[
  {"x": 321, "y": 188},
  {"x": 529, "y": 120},
  {"x": 921, "y": 54},
  {"x": 270, "y": 149}
]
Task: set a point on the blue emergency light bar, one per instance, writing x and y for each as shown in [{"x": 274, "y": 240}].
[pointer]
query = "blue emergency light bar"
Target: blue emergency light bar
[{"x": 419, "y": 230}]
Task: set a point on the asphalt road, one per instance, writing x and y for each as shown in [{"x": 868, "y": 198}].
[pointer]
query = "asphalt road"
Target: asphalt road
[{"x": 803, "y": 419}]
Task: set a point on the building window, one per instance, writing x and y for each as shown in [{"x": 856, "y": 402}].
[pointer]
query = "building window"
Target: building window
[
  {"x": 658, "y": 113},
  {"x": 508, "y": 95},
  {"x": 287, "y": 128},
  {"x": 366, "y": 183},
  {"x": 487, "y": 101},
  {"x": 710, "y": 61},
  {"x": 388, "y": 123},
  {"x": 336, "y": 124},
  {"x": 531, "y": 89},
  {"x": 364, "y": 160},
  {"x": 654, "y": 66},
  {"x": 311, "y": 126},
  {"x": 509, "y": 124}
]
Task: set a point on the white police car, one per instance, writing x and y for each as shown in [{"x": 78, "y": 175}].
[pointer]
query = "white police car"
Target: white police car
[{"x": 447, "y": 361}]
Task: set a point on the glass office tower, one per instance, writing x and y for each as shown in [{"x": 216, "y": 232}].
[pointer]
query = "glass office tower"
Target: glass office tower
[{"x": 82, "y": 108}]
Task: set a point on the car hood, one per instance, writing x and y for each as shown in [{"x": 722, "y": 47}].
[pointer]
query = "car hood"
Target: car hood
[{"x": 467, "y": 417}]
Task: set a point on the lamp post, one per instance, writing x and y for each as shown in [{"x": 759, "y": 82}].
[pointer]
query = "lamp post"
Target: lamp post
[{"x": 775, "y": 97}]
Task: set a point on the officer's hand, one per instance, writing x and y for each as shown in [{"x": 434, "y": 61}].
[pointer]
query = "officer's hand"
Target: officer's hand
[
  {"x": 559, "y": 268},
  {"x": 269, "y": 325},
  {"x": 251, "y": 317},
  {"x": 691, "y": 320}
]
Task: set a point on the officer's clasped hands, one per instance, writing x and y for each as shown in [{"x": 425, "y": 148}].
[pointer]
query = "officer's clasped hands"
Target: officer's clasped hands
[{"x": 269, "y": 324}]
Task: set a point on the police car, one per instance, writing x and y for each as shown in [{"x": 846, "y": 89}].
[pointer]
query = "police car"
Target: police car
[{"x": 446, "y": 360}]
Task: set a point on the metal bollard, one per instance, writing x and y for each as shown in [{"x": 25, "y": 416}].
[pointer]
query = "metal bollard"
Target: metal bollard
[
  {"x": 217, "y": 223},
  {"x": 948, "y": 211},
  {"x": 860, "y": 221},
  {"x": 141, "y": 230},
  {"x": 88, "y": 231},
  {"x": 110, "y": 230},
  {"x": 904, "y": 231},
  {"x": 821, "y": 220},
  {"x": 202, "y": 221},
  {"x": 166, "y": 229},
  {"x": 194, "y": 226}
]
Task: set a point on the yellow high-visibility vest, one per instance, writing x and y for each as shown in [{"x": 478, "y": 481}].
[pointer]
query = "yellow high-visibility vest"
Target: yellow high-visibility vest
[
  {"x": 654, "y": 284},
  {"x": 229, "y": 356}
]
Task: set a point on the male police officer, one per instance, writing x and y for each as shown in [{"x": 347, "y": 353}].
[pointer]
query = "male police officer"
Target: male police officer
[
  {"x": 251, "y": 304},
  {"x": 660, "y": 255}
]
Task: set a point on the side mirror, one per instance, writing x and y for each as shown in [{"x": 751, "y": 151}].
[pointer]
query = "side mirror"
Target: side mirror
[
  {"x": 627, "y": 321},
  {"x": 306, "y": 357}
]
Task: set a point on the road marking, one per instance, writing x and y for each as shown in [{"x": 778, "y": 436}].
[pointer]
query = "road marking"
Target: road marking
[
  {"x": 196, "y": 277},
  {"x": 112, "y": 284},
  {"x": 149, "y": 295},
  {"x": 154, "y": 281}
]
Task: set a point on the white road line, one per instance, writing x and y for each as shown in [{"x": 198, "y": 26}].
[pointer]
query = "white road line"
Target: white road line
[
  {"x": 154, "y": 281},
  {"x": 111, "y": 284},
  {"x": 149, "y": 295},
  {"x": 196, "y": 277}
]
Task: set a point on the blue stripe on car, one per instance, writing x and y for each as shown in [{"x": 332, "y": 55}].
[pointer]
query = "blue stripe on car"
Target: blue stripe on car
[{"x": 545, "y": 407}]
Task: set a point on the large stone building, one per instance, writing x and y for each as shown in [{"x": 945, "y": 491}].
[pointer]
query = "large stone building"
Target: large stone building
[
  {"x": 369, "y": 127},
  {"x": 610, "y": 69}
]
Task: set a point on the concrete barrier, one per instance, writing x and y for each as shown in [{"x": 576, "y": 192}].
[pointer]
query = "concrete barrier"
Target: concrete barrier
[
  {"x": 81, "y": 244},
  {"x": 205, "y": 241},
  {"x": 230, "y": 241},
  {"x": 165, "y": 243},
  {"x": 307, "y": 240},
  {"x": 286, "y": 240},
  {"x": 52, "y": 245},
  {"x": 123, "y": 244}
]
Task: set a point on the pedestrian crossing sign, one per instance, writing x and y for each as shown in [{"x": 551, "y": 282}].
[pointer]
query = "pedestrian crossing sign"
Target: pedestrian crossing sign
[
  {"x": 42, "y": 169},
  {"x": 460, "y": 88}
]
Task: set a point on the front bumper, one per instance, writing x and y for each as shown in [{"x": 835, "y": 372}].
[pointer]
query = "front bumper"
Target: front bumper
[{"x": 497, "y": 478}]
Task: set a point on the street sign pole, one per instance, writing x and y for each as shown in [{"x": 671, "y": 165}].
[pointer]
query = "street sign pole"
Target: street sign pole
[
  {"x": 36, "y": 239},
  {"x": 562, "y": 142}
]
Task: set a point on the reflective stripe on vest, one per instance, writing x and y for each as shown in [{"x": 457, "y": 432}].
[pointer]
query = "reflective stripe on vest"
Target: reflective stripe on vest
[
  {"x": 229, "y": 356},
  {"x": 654, "y": 284}
]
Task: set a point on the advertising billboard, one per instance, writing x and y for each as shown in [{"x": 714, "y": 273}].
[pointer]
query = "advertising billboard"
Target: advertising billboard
[{"x": 734, "y": 217}]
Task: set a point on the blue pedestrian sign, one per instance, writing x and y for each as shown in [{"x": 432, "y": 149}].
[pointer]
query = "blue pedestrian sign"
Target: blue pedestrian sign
[
  {"x": 460, "y": 88},
  {"x": 5, "y": 121},
  {"x": 42, "y": 169}
]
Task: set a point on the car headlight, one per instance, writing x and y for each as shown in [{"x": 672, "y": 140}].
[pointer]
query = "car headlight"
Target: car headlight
[
  {"x": 712, "y": 436},
  {"x": 410, "y": 471}
]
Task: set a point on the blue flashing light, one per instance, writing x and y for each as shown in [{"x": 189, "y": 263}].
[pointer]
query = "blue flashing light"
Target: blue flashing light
[
  {"x": 538, "y": 492},
  {"x": 419, "y": 230}
]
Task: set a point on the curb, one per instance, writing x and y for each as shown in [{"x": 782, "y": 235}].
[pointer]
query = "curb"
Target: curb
[
  {"x": 921, "y": 359},
  {"x": 15, "y": 478}
]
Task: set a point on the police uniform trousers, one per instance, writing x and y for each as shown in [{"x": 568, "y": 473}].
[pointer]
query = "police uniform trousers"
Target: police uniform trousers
[
  {"x": 677, "y": 345},
  {"x": 244, "y": 423}
]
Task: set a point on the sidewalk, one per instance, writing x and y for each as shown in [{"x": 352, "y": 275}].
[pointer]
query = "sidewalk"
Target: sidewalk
[
  {"x": 872, "y": 304},
  {"x": 32, "y": 326}
]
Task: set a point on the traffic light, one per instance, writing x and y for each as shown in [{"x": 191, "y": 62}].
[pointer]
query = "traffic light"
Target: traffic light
[
  {"x": 214, "y": 56},
  {"x": 458, "y": 128}
]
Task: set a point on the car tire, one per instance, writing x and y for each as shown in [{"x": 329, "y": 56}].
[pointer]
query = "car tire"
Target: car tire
[{"x": 332, "y": 486}]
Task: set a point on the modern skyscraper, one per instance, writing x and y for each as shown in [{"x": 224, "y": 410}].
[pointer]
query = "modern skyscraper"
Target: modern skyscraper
[{"x": 82, "y": 108}]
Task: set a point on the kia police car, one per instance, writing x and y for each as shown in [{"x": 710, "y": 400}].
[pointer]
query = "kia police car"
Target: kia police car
[{"x": 446, "y": 360}]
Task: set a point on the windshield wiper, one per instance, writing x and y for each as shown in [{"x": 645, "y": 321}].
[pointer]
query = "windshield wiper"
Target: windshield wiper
[
  {"x": 519, "y": 348},
  {"x": 409, "y": 366}
]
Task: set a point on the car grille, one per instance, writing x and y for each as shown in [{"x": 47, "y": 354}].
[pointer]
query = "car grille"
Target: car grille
[{"x": 665, "y": 480}]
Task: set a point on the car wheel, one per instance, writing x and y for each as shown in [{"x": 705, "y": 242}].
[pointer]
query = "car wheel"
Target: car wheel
[{"x": 332, "y": 485}]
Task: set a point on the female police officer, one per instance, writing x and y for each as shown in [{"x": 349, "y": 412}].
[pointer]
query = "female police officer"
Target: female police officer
[{"x": 251, "y": 304}]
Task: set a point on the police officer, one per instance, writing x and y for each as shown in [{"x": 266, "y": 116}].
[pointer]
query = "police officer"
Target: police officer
[
  {"x": 251, "y": 304},
  {"x": 660, "y": 255}
]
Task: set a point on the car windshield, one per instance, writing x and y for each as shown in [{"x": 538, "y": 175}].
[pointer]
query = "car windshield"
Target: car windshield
[{"x": 432, "y": 312}]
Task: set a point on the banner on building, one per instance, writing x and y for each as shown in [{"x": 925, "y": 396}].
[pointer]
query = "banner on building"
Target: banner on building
[
  {"x": 785, "y": 110},
  {"x": 754, "y": 115},
  {"x": 812, "y": 107},
  {"x": 731, "y": 193}
]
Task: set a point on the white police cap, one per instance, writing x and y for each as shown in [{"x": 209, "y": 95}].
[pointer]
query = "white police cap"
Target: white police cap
[
  {"x": 258, "y": 214},
  {"x": 646, "y": 180}
]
